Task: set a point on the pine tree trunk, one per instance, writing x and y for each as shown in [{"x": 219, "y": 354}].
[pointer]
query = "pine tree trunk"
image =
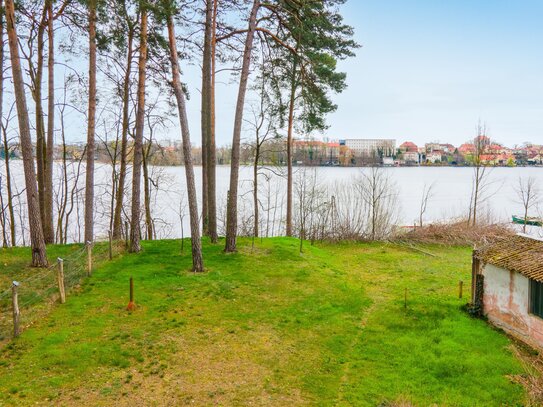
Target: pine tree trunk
[
  {"x": 197, "y": 259},
  {"x": 147, "y": 194},
  {"x": 89, "y": 182},
  {"x": 9, "y": 189},
  {"x": 48, "y": 228},
  {"x": 9, "y": 192},
  {"x": 232, "y": 206},
  {"x": 255, "y": 187},
  {"x": 289, "y": 150},
  {"x": 117, "y": 218},
  {"x": 211, "y": 147},
  {"x": 206, "y": 112},
  {"x": 41, "y": 145},
  {"x": 39, "y": 257},
  {"x": 135, "y": 228}
]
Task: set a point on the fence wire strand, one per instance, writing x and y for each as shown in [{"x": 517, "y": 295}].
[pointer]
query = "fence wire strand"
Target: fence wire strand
[{"x": 40, "y": 290}]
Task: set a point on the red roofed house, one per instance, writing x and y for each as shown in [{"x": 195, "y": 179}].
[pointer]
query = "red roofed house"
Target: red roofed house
[
  {"x": 466, "y": 149},
  {"x": 507, "y": 286},
  {"x": 495, "y": 149},
  {"x": 410, "y": 152},
  {"x": 408, "y": 146}
]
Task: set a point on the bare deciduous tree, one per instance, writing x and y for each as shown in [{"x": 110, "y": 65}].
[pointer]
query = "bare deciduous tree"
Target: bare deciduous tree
[
  {"x": 9, "y": 189},
  {"x": 481, "y": 175},
  {"x": 427, "y": 194},
  {"x": 261, "y": 125},
  {"x": 529, "y": 196}
]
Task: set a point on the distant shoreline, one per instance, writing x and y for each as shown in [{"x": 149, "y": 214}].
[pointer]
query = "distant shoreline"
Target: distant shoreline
[{"x": 59, "y": 161}]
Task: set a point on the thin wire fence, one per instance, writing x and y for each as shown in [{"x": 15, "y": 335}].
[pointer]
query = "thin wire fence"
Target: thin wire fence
[{"x": 37, "y": 293}]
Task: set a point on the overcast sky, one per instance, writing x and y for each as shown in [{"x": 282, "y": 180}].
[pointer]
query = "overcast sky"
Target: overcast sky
[{"x": 428, "y": 71}]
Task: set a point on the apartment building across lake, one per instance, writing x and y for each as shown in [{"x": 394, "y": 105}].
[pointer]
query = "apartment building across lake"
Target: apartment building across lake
[{"x": 370, "y": 147}]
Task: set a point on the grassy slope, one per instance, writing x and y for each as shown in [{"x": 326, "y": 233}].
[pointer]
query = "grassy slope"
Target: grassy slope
[{"x": 266, "y": 327}]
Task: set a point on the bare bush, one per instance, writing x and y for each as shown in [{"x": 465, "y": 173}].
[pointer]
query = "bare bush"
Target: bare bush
[
  {"x": 456, "y": 233},
  {"x": 380, "y": 196},
  {"x": 532, "y": 378},
  {"x": 310, "y": 203},
  {"x": 365, "y": 209},
  {"x": 347, "y": 214}
]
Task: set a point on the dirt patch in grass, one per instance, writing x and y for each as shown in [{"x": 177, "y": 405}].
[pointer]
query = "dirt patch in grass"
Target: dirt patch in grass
[{"x": 223, "y": 369}]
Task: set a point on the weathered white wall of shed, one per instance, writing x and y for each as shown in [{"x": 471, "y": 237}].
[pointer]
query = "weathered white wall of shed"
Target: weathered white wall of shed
[
  {"x": 497, "y": 287},
  {"x": 506, "y": 304}
]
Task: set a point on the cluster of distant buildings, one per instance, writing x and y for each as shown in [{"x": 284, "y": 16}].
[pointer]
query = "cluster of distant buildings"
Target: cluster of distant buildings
[
  {"x": 353, "y": 152},
  {"x": 344, "y": 152}
]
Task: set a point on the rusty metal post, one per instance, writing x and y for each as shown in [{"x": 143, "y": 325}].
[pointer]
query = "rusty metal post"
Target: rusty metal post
[{"x": 131, "y": 305}]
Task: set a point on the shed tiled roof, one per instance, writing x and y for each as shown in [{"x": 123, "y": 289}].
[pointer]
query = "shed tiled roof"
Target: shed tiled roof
[{"x": 517, "y": 253}]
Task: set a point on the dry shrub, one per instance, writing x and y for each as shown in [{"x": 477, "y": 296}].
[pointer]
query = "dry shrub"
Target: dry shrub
[
  {"x": 532, "y": 378},
  {"x": 400, "y": 402},
  {"x": 457, "y": 233}
]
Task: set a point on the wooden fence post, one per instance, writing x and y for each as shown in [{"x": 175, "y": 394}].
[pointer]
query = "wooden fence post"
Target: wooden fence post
[
  {"x": 16, "y": 312},
  {"x": 460, "y": 286},
  {"x": 126, "y": 236},
  {"x": 60, "y": 279},
  {"x": 110, "y": 245},
  {"x": 89, "y": 259},
  {"x": 405, "y": 299},
  {"x": 131, "y": 305},
  {"x": 475, "y": 272}
]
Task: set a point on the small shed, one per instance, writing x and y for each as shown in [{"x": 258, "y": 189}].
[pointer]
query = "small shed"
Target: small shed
[{"x": 507, "y": 286}]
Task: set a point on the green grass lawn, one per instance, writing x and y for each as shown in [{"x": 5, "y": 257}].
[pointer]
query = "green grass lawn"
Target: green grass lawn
[{"x": 265, "y": 326}]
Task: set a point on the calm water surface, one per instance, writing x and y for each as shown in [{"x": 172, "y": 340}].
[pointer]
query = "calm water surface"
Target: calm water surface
[{"x": 450, "y": 198}]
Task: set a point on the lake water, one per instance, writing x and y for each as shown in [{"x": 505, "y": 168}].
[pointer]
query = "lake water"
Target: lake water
[{"x": 449, "y": 200}]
